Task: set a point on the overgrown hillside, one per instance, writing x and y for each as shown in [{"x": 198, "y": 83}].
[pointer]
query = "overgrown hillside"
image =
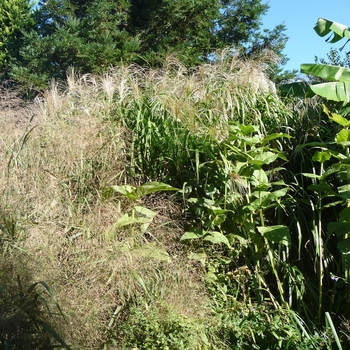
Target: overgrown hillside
[{"x": 165, "y": 209}]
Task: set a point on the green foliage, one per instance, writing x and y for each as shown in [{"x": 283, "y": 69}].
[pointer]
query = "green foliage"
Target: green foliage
[
  {"x": 324, "y": 189},
  {"x": 160, "y": 328},
  {"x": 335, "y": 91},
  {"x": 334, "y": 58},
  {"x": 93, "y": 35},
  {"x": 237, "y": 188},
  {"x": 242, "y": 322},
  {"x": 141, "y": 215},
  {"x": 15, "y": 17},
  {"x": 184, "y": 28},
  {"x": 266, "y": 216},
  {"x": 91, "y": 38},
  {"x": 336, "y": 30},
  {"x": 334, "y": 77}
]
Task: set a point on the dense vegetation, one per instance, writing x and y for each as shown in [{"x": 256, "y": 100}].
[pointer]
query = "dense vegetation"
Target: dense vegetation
[
  {"x": 93, "y": 35},
  {"x": 180, "y": 204}
]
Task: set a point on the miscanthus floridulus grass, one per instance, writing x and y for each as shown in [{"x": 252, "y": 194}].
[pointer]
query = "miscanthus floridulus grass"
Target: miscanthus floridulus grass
[{"x": 120, "y": 286}]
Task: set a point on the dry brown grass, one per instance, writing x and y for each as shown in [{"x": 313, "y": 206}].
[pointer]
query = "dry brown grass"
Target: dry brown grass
[{"x": 53, "y": 172}]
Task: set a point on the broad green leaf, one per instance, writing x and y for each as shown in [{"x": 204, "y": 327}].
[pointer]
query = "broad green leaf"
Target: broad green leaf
[
  {"x": 324, "y": 27},
  {"x": 217, "y": 238},
  {"x": 297, "y": 89},
  {"x": 277, "y": 234},
  {"x": 343, "y": 137},
  {"x": 259, "y": 177},
  {"x": 326, "y": 72},
  {"x": 274, "y": 136},
  {"x": 339, "y": 228},
  {"x": 283, "y": 157},
  {"x": 250, "y": 140},
  {"x": 337, "y": 155},
  {"x": 218, "y": 220},
  {"x": 193, "y": 235},
  {"x": 126, "y": 190},
  {"x": 221, "y": 211},
  {"x": 279, "y": 182},
  {"x": 321, "y": 187},
  {"x": 150, "y": 214},
  {"x": 145, "y": 211},
  {"x": 339, "y": 120},
  {"x": 335, "y": 91},
  {"x": 344, "y": 246},
  {"x": 270, "y": 195},
  {"x": 265, "y": 158},
  {"x": 236, "y": 237},
  {"x": 151, "y": 187},
  {"x": 260, "y": 189},
  {"x": 264, "y": 199},
  {"x": 311, "y": 176},
  {"x": 126, "y": 220},
  {"x": 247, "y": 129},
  {"x": 331, "y": 170},
  {"x": 344, "y": 215},
  {"x": 321, "y": 156},
  {"x": 344, "y": 192},
  {"x": 332, "y": 204}
]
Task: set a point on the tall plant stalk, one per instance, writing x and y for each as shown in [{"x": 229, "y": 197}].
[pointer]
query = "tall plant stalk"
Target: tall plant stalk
[{"x": 320, "y": 253}]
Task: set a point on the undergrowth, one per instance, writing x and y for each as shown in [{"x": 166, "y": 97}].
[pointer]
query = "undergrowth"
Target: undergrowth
[{"x": 82, "y": 190}]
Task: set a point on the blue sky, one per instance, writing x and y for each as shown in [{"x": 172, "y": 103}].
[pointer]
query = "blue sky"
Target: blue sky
[{"x": 300, "y": 16}]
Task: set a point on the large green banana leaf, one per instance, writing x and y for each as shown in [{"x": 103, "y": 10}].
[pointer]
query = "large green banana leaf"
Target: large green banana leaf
[
  {"x": 335, "y": 91},
  {"x": 326, "y": 72},
  {"x": 337, "y": 87},
  {"x": 338, "y": 90},
  {"x": 338, "y": 31}
]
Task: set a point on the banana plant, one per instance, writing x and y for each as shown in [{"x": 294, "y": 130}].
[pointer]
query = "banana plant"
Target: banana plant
[{"x": 337, "y": 79}]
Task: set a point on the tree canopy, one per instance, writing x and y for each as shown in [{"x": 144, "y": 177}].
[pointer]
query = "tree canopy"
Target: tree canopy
[
  {"x": 15, "y": 16},
  {"x": 92, "y": 35}
]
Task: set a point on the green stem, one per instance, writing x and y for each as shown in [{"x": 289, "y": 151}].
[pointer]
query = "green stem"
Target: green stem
[
  {"x": 133, "y": 226},
  {"x": 347, "y": 271},
  {"x": 270, "y": 255},
  {"x": 320, "y": 253}
]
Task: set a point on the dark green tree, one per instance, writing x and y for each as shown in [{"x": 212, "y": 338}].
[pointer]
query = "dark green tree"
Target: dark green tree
[
  {"x": 238, "y": 21},
  {"x": 92, "y": 35},
  {"x": 87, "y": 34},
  {"x": 184, "y": 28},
  {"x": 193, "y": 29},
  {"x": 15, "y": 17}
]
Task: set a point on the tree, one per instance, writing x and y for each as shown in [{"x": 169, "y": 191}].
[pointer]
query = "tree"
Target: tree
[
  {"x": 335, "y": 58},
  {"x": 194, "y": 29},
  {"x": 238, "y": 21},
  {"x": 184, "y": 28},
  {"x": 91, "y": 35},
  {"x": 15, "y": 17}
]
